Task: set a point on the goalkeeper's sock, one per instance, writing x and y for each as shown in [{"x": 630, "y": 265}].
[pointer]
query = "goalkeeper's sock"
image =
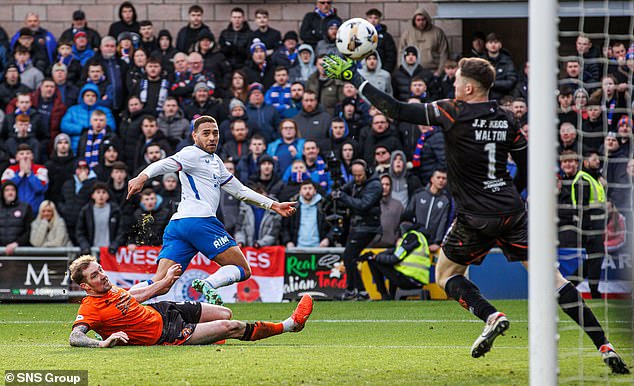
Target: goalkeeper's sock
[
  {"x": 226, "y": 275},
  {"x": 141, "y": 284},
  {"x": 468, "y": 295},
  {"x": 261, "y": 330},
  {"x": 572, "y": 304}
]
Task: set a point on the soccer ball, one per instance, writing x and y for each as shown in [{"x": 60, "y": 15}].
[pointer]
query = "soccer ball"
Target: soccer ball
[{"x": 357, "y": 38}]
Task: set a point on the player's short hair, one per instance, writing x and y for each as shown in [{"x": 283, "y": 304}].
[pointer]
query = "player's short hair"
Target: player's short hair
[
  {"x": 78, "y": 266},
  {"x": 195, "y": 8},
  {"x": 478, "y": 69},
  {"x": 98, "y": 113},
  {"x": 204, "y": 119}
]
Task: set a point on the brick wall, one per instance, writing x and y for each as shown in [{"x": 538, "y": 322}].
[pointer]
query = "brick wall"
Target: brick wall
[{"x": 172, "y": 14}]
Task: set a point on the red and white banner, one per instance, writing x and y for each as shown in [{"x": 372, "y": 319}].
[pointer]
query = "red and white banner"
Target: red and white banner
[{"x": 266, "y": 284}]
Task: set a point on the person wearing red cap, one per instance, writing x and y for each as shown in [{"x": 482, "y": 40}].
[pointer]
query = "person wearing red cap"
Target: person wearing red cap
[{"x": 81, "y": 49}]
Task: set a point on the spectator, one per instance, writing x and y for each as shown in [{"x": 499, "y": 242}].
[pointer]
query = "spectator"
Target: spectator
[
  {"x": 127, "y": 20},
  {"x": 381, "y": 160},
  {"x": 391, "y": 211},
  {"x": 589, "y": 57},
  {"x": 152, "y": 152},
  {"x": 418, "y": 91},
  {"x": 170, "y": 191},
  {"x": 48, "y": 229},
  {"x": 295, "y": 102},
  {"x": 372, "y": 71},
  {"x": 89, "y": 146},
  {"x": 478, "y": 40},
  {"x": 446, "y": 88},
  {"x": 22, "y": 135},
  {"x": 521, "y": 87},
  {"x": 271, "y": 37},
  {"x": 165, "y": 51},
  {"x": 312, "y": 121},
  {"x": 97, "y": 76},
  {"x": 279, "y": 94},
  {"x": 172, "y": 123},
  {"x": 16, "y": 217},
  {"x": 314, "y": 23},
  {"x": 403, "y": 182},
  {"x": 337, "y": 135},
  {"x": 109, "y": 154},
  {"x": 188, "y": 35},
  {"x": 568, "y": 139},
  {"x": 263, "y": 118},
  {"x": 30, "y": 178},
  {"x": 520, "y": 111},
  {"x": 381, "y": 133},
  {"x": 305, "y": 65},
  {"x": 38, "y": 56},
  {"x": 267, "y": 175},
  {"x": 258, "y": 69},
  {"x": 235, "y": 39},
  {"x": 127, "y": 43},
  {"x": 80, "y": 23},
  {"x": 214, "y": 61},
  {"x": 293, "y": 180},
  {"x": 288, "y": 147},
  {"x": 571, "y": 76},
  {"x": 43, "y": 38},
  {"x": 148, "y": 41},
  {"x": 565, "y": 113},
  {"x": 328, "y": 45},
  {"x": 236, "y": 145},
  {"x": 615, "y": 230},
  {"x": 354, "y": 119},
  {"x": 237, "y": 110},
  {"x": 75, "y": 194},
  {"x": 37, "y": 128},
  {"x": 81, "y": 50},
  {"x": 329, "y": 91},
  {"x": 11, "y": 85},
  {"x": 130, "y": 129},
  {"x": 248, "y": 165},
  {"x": 69, "y": 92},
  {"x": 592, "y": 127},
  {"x": 118, "y": 184},
  {"x": 73, "y": 65},
  {"x": 149, "y": 221},
  {"x": 617, "y": 66},
  {"x": 47, "y": 101},
  {"x": 615, "y": 170},
  {"x": 505, "y": 75},
  {"x": 239, "y": 86},
  {"x": 196, "y": 75},
  {"x": 624, "y": 133},
  {"x": 30, "y": 76},
  {"x": 150, "y": 136},
  {"x": 153, "y": 88},
  {"x": 386, "y": 46},
  {"x": 77, "y": 117},
  {"x": 308, "y": 228},
  {"x": 316, "y": 166},
  {"x": 60, "y": 166},
  {"x": 429, "y": 152},
  {"x": 115, "y": 71},
  {"x": 615, "y": 101},
  {"x": 429, "y": 40},
  {"x": 100, "y": 222},
  {"x": 136, "y": 70},
  {"x": 409, "y": 69},
  {"x": 204, "y": 104},
  {"x": 428, "y": 210},
  {"x": 286, "y": 54},
  {"x": 257, "y": 227},
  {"x": 580, "y": 98}
]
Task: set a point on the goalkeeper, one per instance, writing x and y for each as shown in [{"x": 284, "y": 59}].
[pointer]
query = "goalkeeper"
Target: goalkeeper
[{"x": 479, "y": 136}]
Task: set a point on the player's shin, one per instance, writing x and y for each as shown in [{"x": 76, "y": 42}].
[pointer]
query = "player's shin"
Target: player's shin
[
  {"x": 261, "y": 330},
  {"x": 468, "y": 295},
  {"x": 572, "y": 304}
]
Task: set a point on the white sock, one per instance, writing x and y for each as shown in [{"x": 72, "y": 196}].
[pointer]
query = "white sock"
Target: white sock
[
  {"x": 226, "y": 275},
  {"x": 289, "y": 324},
  {"x": 141, "y": 284}
]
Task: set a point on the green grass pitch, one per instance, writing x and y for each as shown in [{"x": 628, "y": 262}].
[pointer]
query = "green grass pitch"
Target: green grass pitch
[{"x": 396, "y": 343}]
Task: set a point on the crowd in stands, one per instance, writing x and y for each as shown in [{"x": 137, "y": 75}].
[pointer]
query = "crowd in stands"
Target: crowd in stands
[{"x": 81, "y": 113}]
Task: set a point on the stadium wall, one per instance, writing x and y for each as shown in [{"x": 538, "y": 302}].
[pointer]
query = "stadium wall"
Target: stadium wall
[{"x": 172, "y": 14}]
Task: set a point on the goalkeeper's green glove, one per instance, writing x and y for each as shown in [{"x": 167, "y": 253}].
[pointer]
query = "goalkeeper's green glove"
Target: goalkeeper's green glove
[{"x": 340, "y": 68}]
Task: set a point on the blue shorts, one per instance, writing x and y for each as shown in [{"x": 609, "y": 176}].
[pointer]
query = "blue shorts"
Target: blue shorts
[{"x": 185, "y": 237}]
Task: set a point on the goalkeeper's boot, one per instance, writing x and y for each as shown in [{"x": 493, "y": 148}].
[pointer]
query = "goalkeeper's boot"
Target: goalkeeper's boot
[
  {"x": 496, "y": 325},
  {"x": 210, "y": 293},
  {"x": 613, "y": 360},
  {"x": 302, "y": 312}
]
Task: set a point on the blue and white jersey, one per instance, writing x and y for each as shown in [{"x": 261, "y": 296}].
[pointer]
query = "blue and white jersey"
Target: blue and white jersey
[{"x": 202, "y": 175}]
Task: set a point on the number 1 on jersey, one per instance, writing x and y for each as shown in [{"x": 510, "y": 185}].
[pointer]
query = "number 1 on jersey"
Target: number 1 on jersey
[{"x": 490, "y": 147}]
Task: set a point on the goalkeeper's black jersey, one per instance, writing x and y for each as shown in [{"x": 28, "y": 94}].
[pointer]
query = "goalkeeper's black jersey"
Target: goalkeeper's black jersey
[{"x": 478, "y": 139}]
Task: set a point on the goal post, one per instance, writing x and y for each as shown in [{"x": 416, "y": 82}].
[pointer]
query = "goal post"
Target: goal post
[{"x": 542, "y": 236}]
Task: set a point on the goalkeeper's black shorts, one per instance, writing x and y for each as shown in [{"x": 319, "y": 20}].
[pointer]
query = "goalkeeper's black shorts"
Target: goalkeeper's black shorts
[{"x": 470, "y": 238}]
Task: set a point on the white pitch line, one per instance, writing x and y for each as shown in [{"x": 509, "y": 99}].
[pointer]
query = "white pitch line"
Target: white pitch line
[{"x": 333, "y": 321}]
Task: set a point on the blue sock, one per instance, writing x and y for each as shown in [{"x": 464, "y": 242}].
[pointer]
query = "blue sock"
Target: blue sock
[{"x": 226, "y": 275}]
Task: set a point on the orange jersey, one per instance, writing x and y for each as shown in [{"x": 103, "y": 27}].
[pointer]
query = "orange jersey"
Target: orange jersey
[{"x": 119, "y": 311}]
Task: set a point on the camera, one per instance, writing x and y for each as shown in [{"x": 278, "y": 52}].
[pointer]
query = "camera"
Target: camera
[{"x": 335, "y": 214}]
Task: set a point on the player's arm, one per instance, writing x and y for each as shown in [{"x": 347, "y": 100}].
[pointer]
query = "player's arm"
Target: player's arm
[
  {"x": 144, "y": 293},
  {"x": 158, "y": 168},
  {"x": 337, "y": 67},
  {"x": 241, "y": 192},
  {"x": 78, "y": 338}
]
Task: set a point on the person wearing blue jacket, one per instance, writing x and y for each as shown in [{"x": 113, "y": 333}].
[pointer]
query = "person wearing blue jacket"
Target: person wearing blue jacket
[
  {"x": 287, "y": 148},
  {"x": 42, "y": 36},
  {"x": 77, "y": 117}
]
